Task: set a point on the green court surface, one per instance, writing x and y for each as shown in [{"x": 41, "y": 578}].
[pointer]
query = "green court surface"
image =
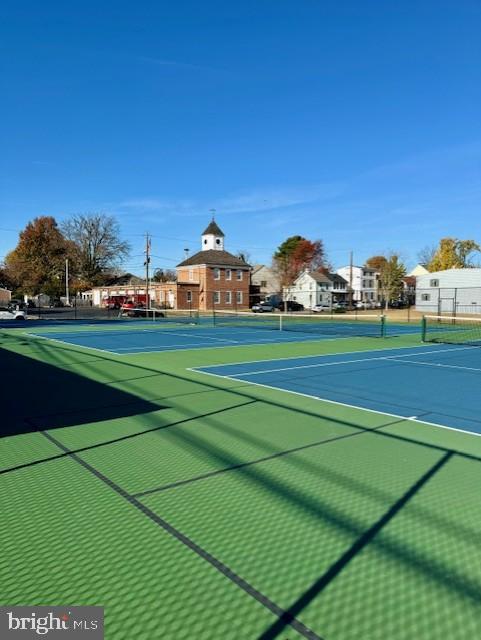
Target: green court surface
[{"x": 193, "y": 507}]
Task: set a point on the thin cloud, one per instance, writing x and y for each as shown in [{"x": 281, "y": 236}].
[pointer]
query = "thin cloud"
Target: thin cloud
[
  {"x": 176, "y": 64},
  {"x": 256, "y": 201}
]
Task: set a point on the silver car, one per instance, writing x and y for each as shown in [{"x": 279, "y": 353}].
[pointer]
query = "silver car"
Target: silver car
[{"x": 12, "y": 313}]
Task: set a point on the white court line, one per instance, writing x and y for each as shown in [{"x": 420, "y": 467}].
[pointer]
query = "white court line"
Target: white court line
[
  {"x": 326, "y": 364},
  {"x": 189, "y": 335},
  {"x": 434, "y": 364},
  {"x": 70, "y": 344},
  {"x": 427, "y": 349},
  {"x": 342, "y": 404},
  {"x": 166, "y": 348},
  {"x": 230, "y": 346}
]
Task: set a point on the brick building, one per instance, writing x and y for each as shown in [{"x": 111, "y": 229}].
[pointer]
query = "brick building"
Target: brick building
[{"x": 213, "y": 278}]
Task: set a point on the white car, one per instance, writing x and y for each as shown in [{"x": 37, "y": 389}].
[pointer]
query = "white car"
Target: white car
[
  {"x": 319, "y": 308},
  {"x": 10, "y": 313}
]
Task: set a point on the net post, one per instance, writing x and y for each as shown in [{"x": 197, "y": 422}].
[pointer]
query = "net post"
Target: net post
[
  {"x": 280, "y": 322},
  {"x": 423, "y": 329},
  {"x": 383, "y": 325}
]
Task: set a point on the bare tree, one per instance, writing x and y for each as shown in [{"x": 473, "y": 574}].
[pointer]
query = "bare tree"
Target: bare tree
[
  {"x": 99, "y": 246},
  {"x": 426, "y": 254},
  {"x": 164, "y": 275}
]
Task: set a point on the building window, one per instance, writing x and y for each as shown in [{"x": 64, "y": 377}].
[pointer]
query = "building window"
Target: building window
[
  {"x": 216, "y": 297},
  {"x": 228, "y": 274},
  {"x": 434, "y": 283},
  {"x": 228, "y": 297},
  {"x": 425, "y": 297},
  {"x": 189, "y": 296},
  {"x": 239, "y": 274},
  {"x": 238, "y": 296},
  {"x": 216, "y": 273},
  {"x": 191, "y": 274},
  {"x": 264, "y": 284}
]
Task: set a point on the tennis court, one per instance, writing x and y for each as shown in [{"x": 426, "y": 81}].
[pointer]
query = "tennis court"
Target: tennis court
[
  {"x": 439, "y": 385},
  {"x": 223, "y": 329},
  {"x": 288, "y": 484}
]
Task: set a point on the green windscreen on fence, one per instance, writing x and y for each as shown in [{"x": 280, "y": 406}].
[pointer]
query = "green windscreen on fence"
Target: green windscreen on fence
[{"x": 452, "y": 330}]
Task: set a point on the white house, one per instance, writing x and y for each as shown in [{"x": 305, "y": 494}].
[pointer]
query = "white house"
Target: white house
[
  {"x": 450, "y": 291},
  {"x": 364, "y": 283},
  {"x": 316, "y": 287}
]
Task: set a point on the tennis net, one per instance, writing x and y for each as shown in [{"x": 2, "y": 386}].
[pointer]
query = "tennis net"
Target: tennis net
[
  {"x": 162, "y": 316},
  {"x": 451, "y": 330},
  {"x": 337, "y": 325}
]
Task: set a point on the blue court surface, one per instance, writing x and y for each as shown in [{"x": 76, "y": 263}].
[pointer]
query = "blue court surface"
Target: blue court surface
[
  {"x": 437, "y": 384},
  {"x": 147, "y": 337}
]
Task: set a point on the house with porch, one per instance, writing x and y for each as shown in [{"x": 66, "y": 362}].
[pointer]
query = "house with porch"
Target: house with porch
[{"x": 317, "y": 287}]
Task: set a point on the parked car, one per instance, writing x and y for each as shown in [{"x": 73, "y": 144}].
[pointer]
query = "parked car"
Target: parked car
[
  {"x": 142, "y": 313},
  {"x": 319, "y": 308},
  {"x": 12, "y": 313},
  {"x": 397, "y": 304},
  {"x": 129, "y": 304},
  {"x": 262, "y": 307},
  {"x": 290, "y": 305},
  {"x": 364, "y": 304}
]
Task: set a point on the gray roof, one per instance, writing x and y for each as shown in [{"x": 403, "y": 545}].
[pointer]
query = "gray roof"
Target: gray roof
[
  {"x": 319, "y": 276},
  {"x": 124, "y": 279},
  {"x": 214, "y": 257},
  {"x": 213, "y": 229},
  {"x": 322, "y": 276}
]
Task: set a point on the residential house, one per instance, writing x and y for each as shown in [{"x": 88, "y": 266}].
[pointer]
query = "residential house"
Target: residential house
[
  {"x": 317, "y": 287},
  {"x": 265, "y": 284},
  {"x": 363, "y": 282}
]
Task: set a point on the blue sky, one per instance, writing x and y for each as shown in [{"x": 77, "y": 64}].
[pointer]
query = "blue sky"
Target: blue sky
[{"x": 355, "y": 122}]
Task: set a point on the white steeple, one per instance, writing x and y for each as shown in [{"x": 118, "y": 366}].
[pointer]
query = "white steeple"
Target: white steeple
[{"x": 213, "y": 237}]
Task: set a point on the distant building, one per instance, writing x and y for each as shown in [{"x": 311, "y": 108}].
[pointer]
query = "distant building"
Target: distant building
[
  {"x": 266, "y": 279},
  {"x": 125, "y": 284},
  {"x": 316, "y": 287},
  {"x": 5, "y": 296},
  {"x": 419, "y": 270},
  {"x": 450, "y": 291},
  {"x": 213, "y": 278},
  {"x": 265, "y": 283},
  {"x": 365, "y": 283}
]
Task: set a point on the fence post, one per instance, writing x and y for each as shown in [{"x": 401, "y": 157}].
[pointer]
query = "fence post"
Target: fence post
[{"x": 383, "y": 326}]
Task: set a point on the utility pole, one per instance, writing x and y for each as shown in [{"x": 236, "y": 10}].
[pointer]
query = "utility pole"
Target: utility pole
[
  {"x": 66, "y": 283},
  {"x": 147, "y": 264},
  {"x": 350, "y": 281}
]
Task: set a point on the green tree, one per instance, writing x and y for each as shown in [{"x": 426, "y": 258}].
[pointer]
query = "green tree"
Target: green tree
[
  {"x": 295, "y": 254},
  {"x": 98, "y": 245},
  {"x": 391, "y": 274},
  {"x": 37, "y": 264},
  {"x": 453, "y": 254}
]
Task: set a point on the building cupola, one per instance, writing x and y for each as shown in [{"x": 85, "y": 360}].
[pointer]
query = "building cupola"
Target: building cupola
[{"x": 213, "y": 237}]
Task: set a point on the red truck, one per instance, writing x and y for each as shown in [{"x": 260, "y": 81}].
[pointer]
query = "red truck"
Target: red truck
[{"x": 125, "y": 301}]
